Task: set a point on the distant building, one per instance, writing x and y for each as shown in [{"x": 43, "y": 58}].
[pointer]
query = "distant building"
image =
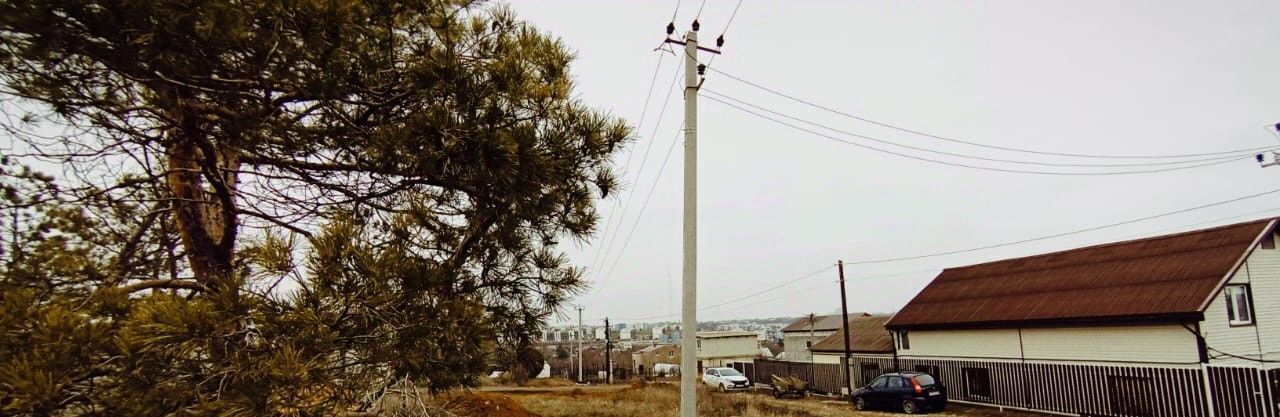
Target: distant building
[
  {"x": 647, "y": 359},
  {"x": 720, "y": 348},
  {"x": 801, "y": 334}
]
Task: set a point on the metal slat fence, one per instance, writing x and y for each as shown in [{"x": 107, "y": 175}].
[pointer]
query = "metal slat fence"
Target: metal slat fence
[{"x": 1081, "y": 389}]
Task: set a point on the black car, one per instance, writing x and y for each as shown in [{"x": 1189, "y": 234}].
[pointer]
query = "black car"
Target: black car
[{"x": 910, "y": 392}]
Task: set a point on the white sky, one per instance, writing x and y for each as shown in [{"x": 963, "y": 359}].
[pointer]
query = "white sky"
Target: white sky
[{"x": 1093, "y": 77}]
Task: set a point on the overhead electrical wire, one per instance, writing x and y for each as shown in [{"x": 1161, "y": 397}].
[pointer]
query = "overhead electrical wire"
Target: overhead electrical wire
[
  {"x": 981, "y": 158},
  {"x": 956, "y": 164},
  {"x": 972, "y": 143},
  {"x": 639, "y": 172},
  {"x": 789, "y": 282},
  {"x": 644, "y": 111},
  {"x": 731, "y": 16},
  {"x": 1056, "y": 235},
  {"x": 626, "y": 242},
  {"x": 856, "y": 278},
  {"x": 720, "y": 39},
  {"x": 674, "y": 12},
  {"x": 793, "y": 282}
]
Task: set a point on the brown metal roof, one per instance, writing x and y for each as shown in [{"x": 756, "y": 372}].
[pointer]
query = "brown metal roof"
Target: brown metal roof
[
  {"x": 820, "y": 323},
  {"x": 1154, "y": 278},
  {"x": 866, "y": 335}
]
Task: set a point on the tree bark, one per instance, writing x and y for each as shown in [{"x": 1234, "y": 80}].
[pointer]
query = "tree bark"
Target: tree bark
[{"x": 203, "y": 212}]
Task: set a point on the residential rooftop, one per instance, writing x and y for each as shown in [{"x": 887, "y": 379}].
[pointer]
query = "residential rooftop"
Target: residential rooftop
[{"x": 1163, "y": 278}]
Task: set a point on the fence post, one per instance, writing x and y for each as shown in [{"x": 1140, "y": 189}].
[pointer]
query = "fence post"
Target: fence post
[
  {"x": 1208, "y": 390},
  {"x": 1263, "y": 389}
]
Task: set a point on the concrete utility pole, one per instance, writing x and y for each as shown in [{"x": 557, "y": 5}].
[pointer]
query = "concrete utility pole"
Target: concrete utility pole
[
  {"x": 844, "y": 310},
  {"x": 580, "y": 335},
  {"x": 689, "y": 294}
]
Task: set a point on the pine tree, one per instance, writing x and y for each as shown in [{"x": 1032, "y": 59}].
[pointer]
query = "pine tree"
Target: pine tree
[{"x": 422, "y": 159}]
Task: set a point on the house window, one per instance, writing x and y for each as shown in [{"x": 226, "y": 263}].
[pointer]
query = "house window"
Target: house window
[
  {"x": 671, "y": 354},
  {"x": 1239, "y": 305},
  {"x": 699, "y": 343},
  {"x": 808, "y": 344},
  {"x": 977, "y": 383},
  {"x": 904, "y": 342},
  {"x": 1131, "y": 396},
  {"x": 1269, "y": 241}
]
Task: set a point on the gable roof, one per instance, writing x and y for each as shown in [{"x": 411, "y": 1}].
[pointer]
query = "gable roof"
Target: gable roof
[
  {"x": 866, "y": 335},
  {"x": 1165, "y": 277},
  {"x": 820, "y": 323}
]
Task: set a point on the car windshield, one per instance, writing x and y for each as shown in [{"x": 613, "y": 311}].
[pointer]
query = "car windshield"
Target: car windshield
[
  {"x": 729, "y": 372},
  {"x": 924, "y": 379}
]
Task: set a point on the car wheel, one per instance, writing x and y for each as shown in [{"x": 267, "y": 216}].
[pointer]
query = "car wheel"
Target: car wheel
[
  {"x": 776, "y": 393},
  {"x": 910, "y": 407},
  {"x": 722, "y": 388},
  {"x": 860, "y": 404}
]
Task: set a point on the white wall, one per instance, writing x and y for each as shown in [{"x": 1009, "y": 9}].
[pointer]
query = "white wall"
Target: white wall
[
  {"x": 794, "y": 344},
  {"x": 1169, "y": 343},
  {"x": 1261, "y": 340},
  {"x": 985, "y": 343},
  {"x": 729, "y": 347},
  {"x": 1152, "y": 344},
  {"x": 826, "y": 358}
]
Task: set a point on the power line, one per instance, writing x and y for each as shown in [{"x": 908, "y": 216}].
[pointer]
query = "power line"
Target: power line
[
  {"x": 644, "y": 111},
  {"x": 827, "y": 268},
  {"x": 857, "y": 278},
  {"x": 720, "y": 39},
  {"x": 954, "y": 140},
  {"x": 626, "y": 242},
  {"x": 1214, "y": 221},
  {"x": 643, "y": 160},
  {"x": 696, "y": 16},
  {"x": 955, "y": 164},
  {"x": 1056, "y": 235},
  {"x": 982, "y": 158},
  {"x": 730, "y": 22}
]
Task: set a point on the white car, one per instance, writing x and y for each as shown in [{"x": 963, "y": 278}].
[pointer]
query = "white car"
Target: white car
[{"x": 725, "y": 379}]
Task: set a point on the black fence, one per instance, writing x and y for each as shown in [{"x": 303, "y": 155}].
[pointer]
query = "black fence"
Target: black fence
[{"x": 1079, "y": 389}]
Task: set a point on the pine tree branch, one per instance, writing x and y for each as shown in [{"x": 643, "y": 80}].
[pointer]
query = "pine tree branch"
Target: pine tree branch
[{"x": 161, "y": 283}]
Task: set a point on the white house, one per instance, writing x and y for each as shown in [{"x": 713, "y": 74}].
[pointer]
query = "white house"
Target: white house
[
  {"x": 1178, "y": 325},
  {"x": 867, "y": 338},
  {"x": 724, "y": 347},
  {"x": 798, "y": 336}
]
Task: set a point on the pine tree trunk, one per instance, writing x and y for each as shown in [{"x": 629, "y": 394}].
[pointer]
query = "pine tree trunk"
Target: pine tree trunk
[{"x": 203, "y": 210}]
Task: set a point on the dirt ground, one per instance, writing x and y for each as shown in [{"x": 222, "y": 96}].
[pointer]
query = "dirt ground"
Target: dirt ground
[{"x": 663, "y": 400}]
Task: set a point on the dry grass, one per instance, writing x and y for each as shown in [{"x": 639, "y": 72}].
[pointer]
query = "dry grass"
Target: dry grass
[
  {"x": 549, "y": 382},
  {"x": 644, "y": 400},
  {"x": 664, "y": 400}
]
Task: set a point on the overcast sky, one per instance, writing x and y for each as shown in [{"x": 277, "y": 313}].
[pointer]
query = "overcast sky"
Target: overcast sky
[{"x": 1084, "y": 77}]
